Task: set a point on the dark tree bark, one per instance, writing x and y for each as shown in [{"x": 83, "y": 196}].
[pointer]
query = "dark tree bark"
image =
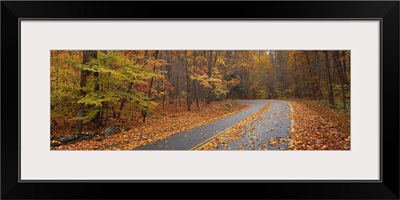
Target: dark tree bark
[
  {"x": 195, "y": 81},
  {"x": 56, "y": 77},
  {"x": 296, "y": 78},
  {"x": 151, "y": 84},
  {"x": 178, "y": 88},
  {"x": 124, "y": 101},
  {"x": 328, "y": 72},
  {"x": 151, "y": 80},
  {"x": 82, "y": 84},
  {"x": 348, "y": 64},
  {"x": 209, "y": 74},
  {"x": 343, "y": 58},
  {"x": 317, "y": 77},
  {"x": 341, "y": 77},
  {"x": 97, "y": 117},
  {"x": 187, "y": 83},
  {"x": 313, "y": 77},
  {"x": 211, "y": 62}
]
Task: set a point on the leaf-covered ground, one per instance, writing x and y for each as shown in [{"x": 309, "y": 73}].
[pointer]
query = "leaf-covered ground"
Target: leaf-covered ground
[
  {"x": 318, "y": 127},
  {"x": 233, "y": 133},
  {"x": 163, "y": 123}
]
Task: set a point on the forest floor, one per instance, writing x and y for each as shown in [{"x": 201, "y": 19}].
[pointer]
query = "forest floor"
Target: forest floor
[
  {"x": 163, "y": 123},
  {"x": 318, "y": 127}
]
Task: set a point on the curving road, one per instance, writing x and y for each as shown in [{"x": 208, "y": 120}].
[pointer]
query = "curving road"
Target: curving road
[
  {"x": 273, "y": 124},
  {"x": 276, "y": 120}
]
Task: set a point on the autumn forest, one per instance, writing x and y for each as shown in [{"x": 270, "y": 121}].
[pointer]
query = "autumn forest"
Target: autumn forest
[{"x": 200, "y": 99}]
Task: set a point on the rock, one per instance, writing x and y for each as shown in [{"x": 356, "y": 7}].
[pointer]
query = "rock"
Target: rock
[
  {"x": 84, "y": 135},
  {"x": 74, "y": 141},
  {"x": 66, "y": 139},
  {"x": 70, "y": 139},
  {"x": 88, "y": 136},
  {"x": 55, "y": 143},
  {"x": 163, "y": 115},
  {"x": 127, "y": 128},
  {"x": 54, "y": 123},
  {"x": 149, "y": 114},
  {"x": 79, "y": 134},
  {"x": 111, "y": 130}
]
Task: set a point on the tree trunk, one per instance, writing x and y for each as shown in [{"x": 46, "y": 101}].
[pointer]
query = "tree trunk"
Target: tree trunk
[
  {"x": 187, "y": 83},
  {"x": 81, "y": 106},
  {"x": 164, "y": 96},
  {"x": 344, "y": 67},
  {"x": 316, "y": 67},
  {"x": 209, "y": 73},
  {"x": 313, "y": 76},
  {"x": 82, "y": 84},
  {"x": 151, "y": 80},
  {"x": 197, "y": 96},
  {"x": 56, "y": 77},
  {"x": 151, "y": 84},
  {"x": 211, "y": 62},
  {"x": 178, "y": 88},
  {"x": 131, "y": 84},
  {"x": 340, "y": 74},
  {"x": 195, "y": 82},
  {"x": 124, "y": 101},
  {"x": 328, "y": 72},
  {"x": 349, "y": 63},
  {"x": 97, "y": 117}
]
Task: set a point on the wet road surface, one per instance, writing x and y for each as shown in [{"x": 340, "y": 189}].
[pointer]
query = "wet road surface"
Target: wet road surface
[
  {"x": 276, "y": 120},
  {"x": 273, "y": 124}
]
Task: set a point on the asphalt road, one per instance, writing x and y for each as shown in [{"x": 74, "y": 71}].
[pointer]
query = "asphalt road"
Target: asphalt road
[
  {"x": 273, "y": 124},
  {"x": 276, "y": 120}
]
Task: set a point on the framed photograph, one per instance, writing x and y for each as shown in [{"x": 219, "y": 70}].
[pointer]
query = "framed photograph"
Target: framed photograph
[{"x": 113, "y": 98}]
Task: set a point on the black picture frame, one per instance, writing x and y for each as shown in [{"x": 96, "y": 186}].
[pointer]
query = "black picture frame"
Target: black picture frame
[{"x": 386, "y": 11}]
